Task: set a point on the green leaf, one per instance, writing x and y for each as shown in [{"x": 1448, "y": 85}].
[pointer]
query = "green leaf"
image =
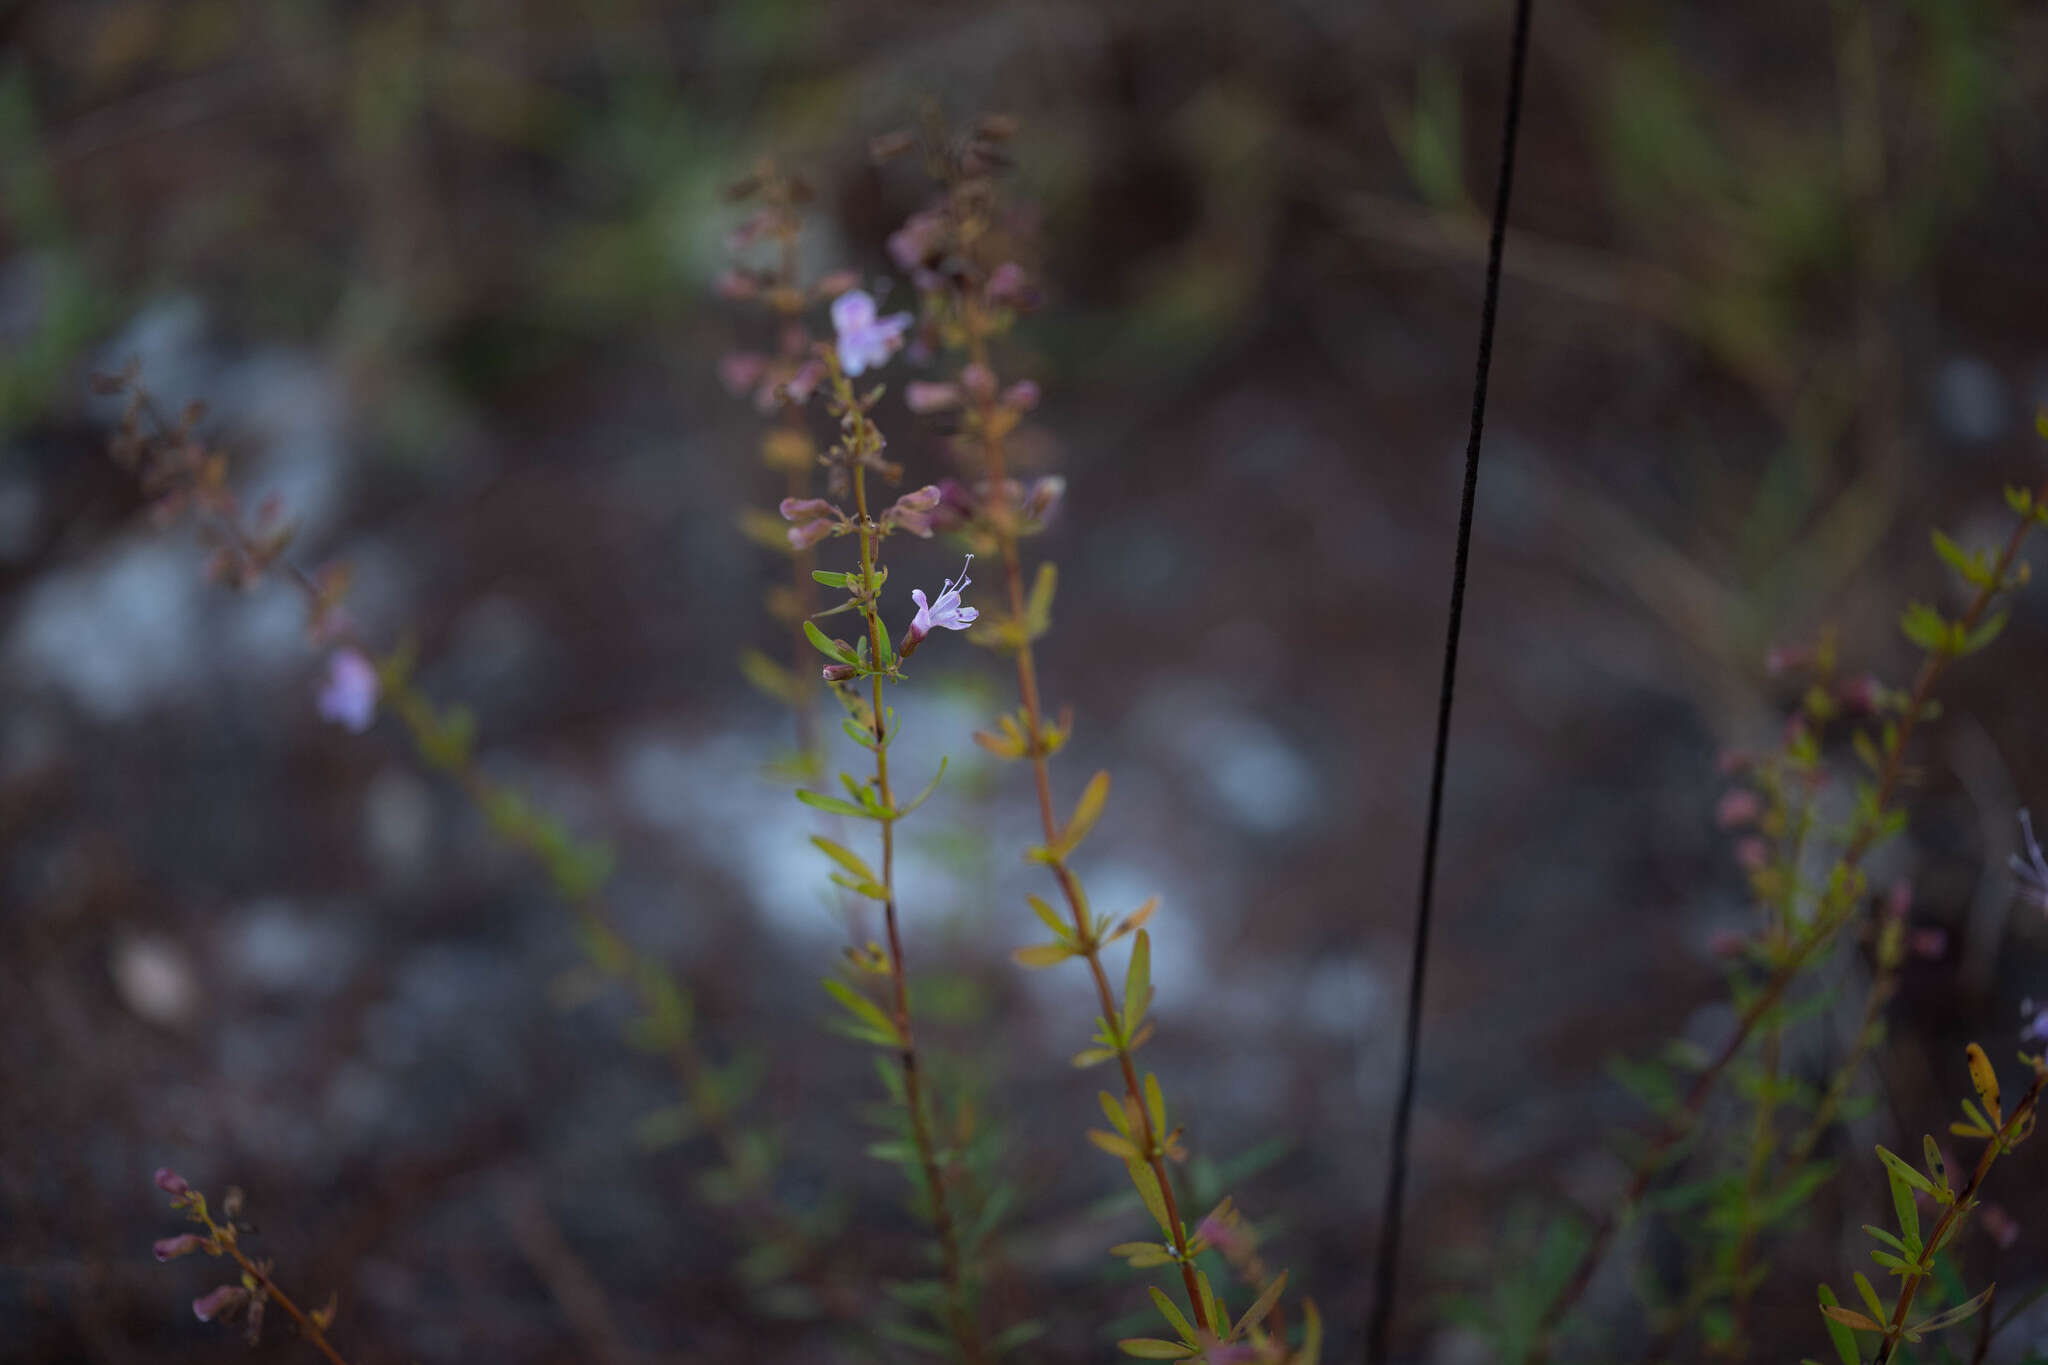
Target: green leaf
[
  {"x": 824, "y": 645},
  {"x": 830, "y": 578},
  {"x": 1138, "y": 983},
  {"x": 1986, "y": 631},
  {"x": 1870, "y": 1299},
  {"x": 1151, "y": 1348},
  {"x": 1951, "y": 1316},
  {"x": 1086, "y": 812},
  {"x": 1838, "y": 1332},
  {"x": 865, "y": 1010},
  {"x": 1925, "y": 627},
  {"x": 1902, "y": 1202},
  {"x": 846, "y": 858},
  {"x": 832, "y": 805},
  {"x": 1262, "y": 1305},
  {"x": 1171, "y": 1312},
  {"x": 1898, "y": 1166},
  {"x": 926, "y": 794},
  {"x": 1042, "y": 955},
  {"x": 1849, "y": 1317},
  {"x": 1155, "y": 1104},
  {"x": 1148, "y": 1190},
  {"x": 1048, "y": 916}
]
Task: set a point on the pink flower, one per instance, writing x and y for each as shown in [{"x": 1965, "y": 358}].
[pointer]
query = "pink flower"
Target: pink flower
[
  {"x": 221, "y": 1303},
  {"x": 918, "y": 239},
  {"x": 350, "y": 697},
  {"x": 1008, "y": 284},
  {"x": 946, "y": 613},
  {"x": 815, "y": 519},
  {"x": 1738, "y": 808},
  {"x": 171, "y": 1183},
  {"x": 865, "y": 341},
  {"x": 169, "y": 1248},
  {"x": 913, "y": 511},
  {"x": 923, "y": 396}
]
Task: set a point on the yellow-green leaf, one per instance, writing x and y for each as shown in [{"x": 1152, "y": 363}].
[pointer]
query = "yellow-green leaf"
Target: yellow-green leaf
[
  {"x": 1042, "y": 955},
  {"x": 1151, "y": 1348},
  {"x": 1086, "y": 812},
  {"x": 846, "y": 858},
  {"x": 1986, "y": 1081}
]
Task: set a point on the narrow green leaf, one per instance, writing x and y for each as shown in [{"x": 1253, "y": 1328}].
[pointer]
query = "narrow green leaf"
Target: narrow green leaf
[
  {"x": 824, "y": 645},
  {"x": 846, "y": 858},
  {"x": 926, "y": 794},
  {"x": 1175, "y": 1319},
  {"x": 831, "y": 804},
  {"x": 1151, "y": 1348},
  {"x": 1086, "y": 812},
  {"x": 1838, "y": 1332},
  {"x": 864, "y": 1009}
]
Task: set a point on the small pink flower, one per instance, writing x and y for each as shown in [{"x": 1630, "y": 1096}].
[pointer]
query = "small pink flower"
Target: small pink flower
[
  {"x": 1752, "y": 855},
  {"x": 865, "y": 341},
  {"x": 741, "y": 371},
  {"x": 1021, "y": 396},
  {"x": 1009, "y": 285},
  {"x": 2000, "y": 1225},
  {"x": 923, "y": 396},
  {"x": 350, "y": 697},
  {"x": 920, "y": 237},
  {"x": 810, "y": 533},
  {"x": 979, "y": 381},
  {"x": 815, "y": 519},
  {"x": 1042, "y": 503},
  {"x": 171, "y": 1183},
  {"x": 223, "y": 1302},
  {"x": 1737, "y": 809},
  {"x": 913, "y": 511},
  {"x": 170, "y": 1248},
  {"x": 946, "y": 613}
]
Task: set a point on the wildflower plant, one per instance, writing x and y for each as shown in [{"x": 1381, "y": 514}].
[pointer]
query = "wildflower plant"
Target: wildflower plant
[
  {"x": 962, "y": 253},
  {"x": 188, "y": 479},
  {"x": 859, "y": 673},
  {"x": 1909, "y": 1256},
  {"x": 1806, "y": 876},
  {"x": 249, "y": 1295}
]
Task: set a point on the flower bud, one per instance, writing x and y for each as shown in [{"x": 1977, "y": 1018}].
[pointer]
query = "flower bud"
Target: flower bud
[
  {"x": 731, "y": 284},
  {"x": 838, "y": 673},
  {"x": 170, "y": 1182},
  {"x": 920, "y": 499},
  {"x": 809, "y": 533},
  {"x": 806, "y": 509},
  {"x": 979, "y": 382},
  {"x": 1859, "y": 695},
  {"x": 1737, "y": 809},
  {"x": 838, "y": 282},
  {"x": 923, "y": 396},
  {"x": 170, "y": 1248},
  {"x": 1752, "y": 855},
  {"x": 1042, "y": 503},
  {"x": 222, "y": 1303},
  {"x": 1021, "y": 396},
  {"x": 740, "y": 371},
  {"x": 1009, "y": 286}
]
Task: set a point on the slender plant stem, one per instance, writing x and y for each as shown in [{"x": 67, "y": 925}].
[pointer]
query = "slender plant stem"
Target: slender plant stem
[
  {"x": 1003, "y": 524},
  {"x": 1822, "y": 932},
  {"x": 1387, "y": 1255},
  {"x": 958, "y": 1317},
  {"x": 1895, "y": 1330}
]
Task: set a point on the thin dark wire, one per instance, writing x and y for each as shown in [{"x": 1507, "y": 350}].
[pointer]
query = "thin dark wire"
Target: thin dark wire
[{"x": 1381, "y": 1321}]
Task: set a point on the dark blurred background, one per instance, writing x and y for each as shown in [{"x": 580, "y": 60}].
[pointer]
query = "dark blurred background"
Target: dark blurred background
[{"x": 442, "y": 271}]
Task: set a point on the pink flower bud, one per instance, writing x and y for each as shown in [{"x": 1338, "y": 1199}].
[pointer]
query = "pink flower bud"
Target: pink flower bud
[
  {"x": 1752, "y": 855},
  {"x": 222, "y": 1303},
  {"x": 1737, "y": 809},
  {"x": 918, "y": 240},
  {"x": 1734, "y": 762},
  {"x": 805, "y": 381},
  {"x": 1022, "y": 396},
  {"x": 1931, "y": 944},
  {"x": 810, "y": 533},
  {"x": 1860, "y": 695},
  {"x": 923, "y": 396},
  {"x": 1783, "y": 659},
  {"x": 979, "y": 382},
  {"x": 806, "y": 509},
  {"x": 838, "y": 282},
  {"x": 740, "y": 371},
  {"x": 834, "y": 673},
  {"x": 1010, "y": 286},
  {"x": 1042, "y": 503},
  {"x": 170, "y": 1182},
  {"x": 731, "y": 284},
  {"x": 920, "y": 499},
  {"x": 1999, "y": 1225},
  {"x": 170, "y": 1248},
  {"x": 1727, "y": 943}
]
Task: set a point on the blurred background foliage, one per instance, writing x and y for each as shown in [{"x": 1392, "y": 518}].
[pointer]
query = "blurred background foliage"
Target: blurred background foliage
[{"x": 1774, "y": 304}]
